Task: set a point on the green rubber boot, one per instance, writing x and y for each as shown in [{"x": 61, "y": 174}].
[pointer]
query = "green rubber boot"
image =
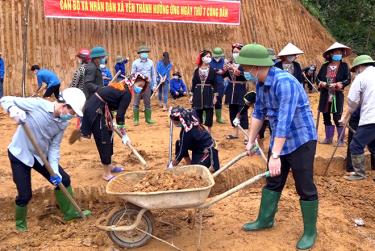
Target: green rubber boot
[
  {"x": 309, "y": 214},
  {"x": 219, "y": 119},
  {"x": 21, "y": 213},
  {"x": 66, "y": 207},
  {"x": 136, "y": 116},
  {"x": 267, "y": 211},
  {"x": 148, "y": 117}
]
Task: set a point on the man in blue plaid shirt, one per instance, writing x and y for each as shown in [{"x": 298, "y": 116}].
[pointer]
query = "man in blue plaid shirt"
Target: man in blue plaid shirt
[{"x": 282, "y": 99}]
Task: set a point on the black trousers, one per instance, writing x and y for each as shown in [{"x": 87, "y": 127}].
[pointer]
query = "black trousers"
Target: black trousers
[
  {"x": 55, "y": 90},
  {"x": 22, "y": 178},
  {"x": 265, "y": 125},
  {"x": 103, "y": 140},
  {"x": 244, "y": 118},
  {"x": 209, "y": 116},
  {"x": 364, "y": 136},
  {"x": 327, "y": 118},
  {"x": 200, "y": 158},
  {"x": 180, "y": 94},
  {"x": 301, "y": 161}
]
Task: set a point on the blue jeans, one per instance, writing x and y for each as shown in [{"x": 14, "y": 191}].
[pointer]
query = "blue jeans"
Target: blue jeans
[
  {"x": 163, "y": 92},
  {"x": 1, "y": 87}
]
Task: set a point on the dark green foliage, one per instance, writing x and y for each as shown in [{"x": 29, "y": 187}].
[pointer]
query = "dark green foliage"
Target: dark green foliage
[{"x": 351, "y": 22}]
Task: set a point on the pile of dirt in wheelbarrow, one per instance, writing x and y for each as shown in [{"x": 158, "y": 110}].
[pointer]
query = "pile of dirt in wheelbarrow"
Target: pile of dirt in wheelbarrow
[{"x": 158, "y": 181}]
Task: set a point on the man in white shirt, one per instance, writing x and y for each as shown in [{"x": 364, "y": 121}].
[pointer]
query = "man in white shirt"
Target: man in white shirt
[
  {"x": 145, "y": 66},
  {"x": 361, "y": 93},
  {"x": 47, "y": 121}
]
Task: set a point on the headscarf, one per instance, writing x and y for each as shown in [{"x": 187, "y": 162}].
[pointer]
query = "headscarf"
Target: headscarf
[
  {"x": 185, "y": 116},
  {"x": 237, "y": 45},
  {"x": 129, "y": 81}
]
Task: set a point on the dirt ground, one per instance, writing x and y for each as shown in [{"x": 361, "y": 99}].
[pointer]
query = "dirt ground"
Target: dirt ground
[{"x": 340, "y": 201}]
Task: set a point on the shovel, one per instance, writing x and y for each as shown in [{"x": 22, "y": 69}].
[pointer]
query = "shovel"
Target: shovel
[
  {"x": 135, "y": 152},
  {"x": 49, "y": 168},
  {"x": 162, "y": 80}
]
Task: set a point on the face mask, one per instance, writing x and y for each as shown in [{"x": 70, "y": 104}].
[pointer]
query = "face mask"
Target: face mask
[
  {"x": 102, "y": 66},
  {"x": 138, "y": 89},
  {"x": 102, "y": 61},
  {"x": 144, "y": 55},
  {"x": 235, "y": 55},
  {"x": 337, "y": 57},
  {"x": 249, "y": 77},
  {"x": 291, "y": 58},
  {"x": 206, "y": 60},
  {"x": 175, "y": 77},
  {"x": 66, "y": 117}
]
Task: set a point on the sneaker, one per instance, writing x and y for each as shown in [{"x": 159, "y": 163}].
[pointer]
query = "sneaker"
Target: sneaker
[{"x": 354, "y": 177}]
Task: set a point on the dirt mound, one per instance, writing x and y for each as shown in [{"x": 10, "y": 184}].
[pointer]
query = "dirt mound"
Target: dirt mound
[
  {"x": 158, "y": 181},
  {"x": 271, "y": 22}
]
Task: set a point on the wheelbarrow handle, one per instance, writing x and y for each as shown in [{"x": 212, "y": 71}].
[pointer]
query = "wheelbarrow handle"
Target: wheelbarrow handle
[
  {"x": 229, "y": 164},
  {"x": 234, "y": 189},
  {"x": 136, "y": 153},
  {"x": 49, "y": 168}
]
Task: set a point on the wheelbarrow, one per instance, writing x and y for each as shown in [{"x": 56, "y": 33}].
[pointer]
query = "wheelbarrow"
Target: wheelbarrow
[{"x": 133, "y": 225}]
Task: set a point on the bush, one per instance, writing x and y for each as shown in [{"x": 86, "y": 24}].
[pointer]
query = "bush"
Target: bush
[{"x": 350, "y": 22}]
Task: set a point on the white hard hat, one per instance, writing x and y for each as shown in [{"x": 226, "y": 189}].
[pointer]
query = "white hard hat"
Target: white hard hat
[
  {"x": 290, "y": 49},
  {"x": 75, "y": 98}
]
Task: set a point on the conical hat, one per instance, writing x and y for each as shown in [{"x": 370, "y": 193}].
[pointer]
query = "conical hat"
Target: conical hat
[
  {"x": 290, "y": 49},
  {"x": 346, "y": 50}
]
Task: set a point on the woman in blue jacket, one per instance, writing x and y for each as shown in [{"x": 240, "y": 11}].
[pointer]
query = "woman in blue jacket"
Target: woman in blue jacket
[{"x": 163, "y": 69}]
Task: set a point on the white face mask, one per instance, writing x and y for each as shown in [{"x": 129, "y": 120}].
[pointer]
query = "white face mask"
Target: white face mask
[
  {"x": 175, "y": 77},
  {"x": 235, "y": 55},
  {"x": 206, "y": 60},
  {"x": 102, "y": 66}
]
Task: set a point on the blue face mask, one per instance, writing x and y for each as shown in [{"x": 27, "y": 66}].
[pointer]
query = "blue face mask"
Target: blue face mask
[
  {"x": 138, "y": 89},
  {"x": 249, "y": 76},
  {"x": 337, "y": 57},
  {"x": 102, "y": 61},
  {"x": 144, "y": 55},
  {"x": 66, "y": 117}
]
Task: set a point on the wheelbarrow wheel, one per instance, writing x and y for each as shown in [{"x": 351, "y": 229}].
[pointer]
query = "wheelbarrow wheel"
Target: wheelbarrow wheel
[{"x": 133, "y": 238}]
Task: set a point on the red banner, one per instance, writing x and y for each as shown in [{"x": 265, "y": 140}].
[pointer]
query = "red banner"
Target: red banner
[{"x": 187, "y": 11}]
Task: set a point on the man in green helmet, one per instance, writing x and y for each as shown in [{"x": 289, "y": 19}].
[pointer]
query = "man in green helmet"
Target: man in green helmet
[
  {"x": 361, "y": 94},
  {"x": 281, "y": 98},
  {"x": 218, "y": 64},
  {"x": 93, "y": 79}
]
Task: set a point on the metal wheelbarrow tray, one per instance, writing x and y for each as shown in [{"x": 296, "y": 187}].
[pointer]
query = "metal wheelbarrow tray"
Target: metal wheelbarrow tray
[{"x": 184, "y": 198}]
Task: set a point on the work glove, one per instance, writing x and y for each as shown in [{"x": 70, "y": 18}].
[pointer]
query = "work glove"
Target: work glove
[
  {"x": 236, "y": 122},
  {"x": 170, "y": 166},
  {"x": 55, "y": 179},
  {"x": 125, "y": 139},
  {"x": 17, "y": 114}
]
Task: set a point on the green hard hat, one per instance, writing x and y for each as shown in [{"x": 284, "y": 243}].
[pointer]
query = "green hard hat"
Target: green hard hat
[
  {"x": 254, "y": 54},
  {"x": 143, "y": 48},
  {"x": 217, "y": 52},
  {"x": 360, "y": 60},
  {"x": 98, "y": 52}
]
